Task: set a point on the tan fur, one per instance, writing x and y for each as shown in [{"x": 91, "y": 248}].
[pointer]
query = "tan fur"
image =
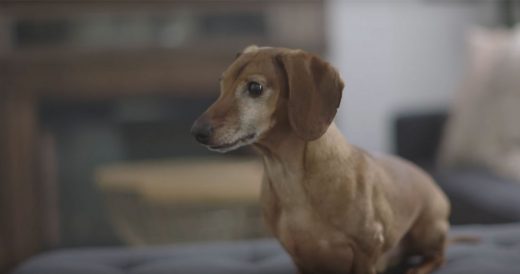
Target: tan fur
[{"x": 334, "y": 207}]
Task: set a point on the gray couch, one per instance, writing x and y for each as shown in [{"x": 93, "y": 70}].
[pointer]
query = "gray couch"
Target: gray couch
[
  {"x": 477, "y": 195},
  {"x": 497, "y": 252}
]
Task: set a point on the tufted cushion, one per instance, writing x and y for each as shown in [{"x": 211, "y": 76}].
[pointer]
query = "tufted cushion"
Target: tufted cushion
[
  {"x": 260, "y": 256},
  {"x": 498, "y": 252}
]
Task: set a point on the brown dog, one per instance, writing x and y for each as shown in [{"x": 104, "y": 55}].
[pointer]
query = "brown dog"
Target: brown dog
[{"x": 334, "y": 207}]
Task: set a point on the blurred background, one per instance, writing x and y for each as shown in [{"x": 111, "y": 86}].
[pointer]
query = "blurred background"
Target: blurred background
[{"x": 97, "y": 98}]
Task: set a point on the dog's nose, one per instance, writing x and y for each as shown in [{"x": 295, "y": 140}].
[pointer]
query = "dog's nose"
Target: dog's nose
[{"x": 202, "y": 132}]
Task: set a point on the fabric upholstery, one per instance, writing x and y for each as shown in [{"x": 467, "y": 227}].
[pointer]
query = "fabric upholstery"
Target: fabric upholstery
[
  {"x": 497, "y": 252},
  {"x": 417, "y": 136},
  {"x": 479, "y": 196}
]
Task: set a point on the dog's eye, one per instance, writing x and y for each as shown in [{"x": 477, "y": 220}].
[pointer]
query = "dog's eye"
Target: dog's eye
[{"x": 255, "y": 89}]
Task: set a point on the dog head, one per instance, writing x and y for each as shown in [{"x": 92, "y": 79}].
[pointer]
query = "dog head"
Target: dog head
[{"x": 265, "y": 86}]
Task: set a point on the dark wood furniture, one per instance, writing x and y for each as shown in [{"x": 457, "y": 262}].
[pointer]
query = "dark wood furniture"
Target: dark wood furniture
[{"x": 74, "y": 72}]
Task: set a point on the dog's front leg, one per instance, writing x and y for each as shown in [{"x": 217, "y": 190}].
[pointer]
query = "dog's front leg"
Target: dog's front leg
[
  {"x": 339, "y": 262},
  {"x": 364, "y": 264}
]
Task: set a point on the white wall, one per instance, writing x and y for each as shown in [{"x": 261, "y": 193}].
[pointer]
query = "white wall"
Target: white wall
[{"x": 395, "y": 56}]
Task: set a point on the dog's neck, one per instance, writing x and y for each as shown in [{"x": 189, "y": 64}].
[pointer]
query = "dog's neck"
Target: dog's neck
[
  {"x": 290, "y": 163},
  {"x": 282, "y": 146}
]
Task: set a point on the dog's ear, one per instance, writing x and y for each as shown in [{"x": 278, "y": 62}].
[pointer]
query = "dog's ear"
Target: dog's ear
[{"x": 314, "y": 89}]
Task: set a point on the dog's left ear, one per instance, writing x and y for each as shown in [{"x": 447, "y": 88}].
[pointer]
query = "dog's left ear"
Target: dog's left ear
[{"x": 314, "y": 88}]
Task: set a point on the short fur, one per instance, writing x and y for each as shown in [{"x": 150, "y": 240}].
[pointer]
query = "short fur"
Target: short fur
[{"x": 334, "y": 207}]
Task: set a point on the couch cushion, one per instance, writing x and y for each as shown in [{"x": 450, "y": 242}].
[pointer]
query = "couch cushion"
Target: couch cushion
[
  {"x": 480, "y": 196},
  {"x": 259, "y": 256},
  {"x": 498, "y": 252}
]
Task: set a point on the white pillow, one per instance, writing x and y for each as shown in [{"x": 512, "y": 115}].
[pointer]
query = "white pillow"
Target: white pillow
[{"x": 484, "y": 125}]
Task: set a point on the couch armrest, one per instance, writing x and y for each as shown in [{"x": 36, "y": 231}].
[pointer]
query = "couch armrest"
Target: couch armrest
[{"x": 417, "y": 136}]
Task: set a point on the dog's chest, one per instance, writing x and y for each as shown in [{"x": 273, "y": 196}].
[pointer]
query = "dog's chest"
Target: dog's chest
[{"x": 306, "y": 238}]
